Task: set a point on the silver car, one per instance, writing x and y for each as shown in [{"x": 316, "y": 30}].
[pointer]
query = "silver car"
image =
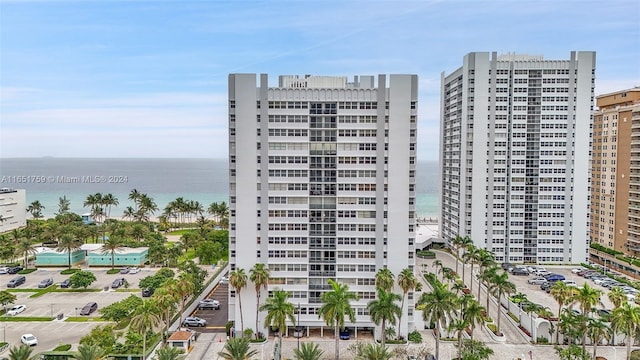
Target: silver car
[{"x": 537, "y": 281}]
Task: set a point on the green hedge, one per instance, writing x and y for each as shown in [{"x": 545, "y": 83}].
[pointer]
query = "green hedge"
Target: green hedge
[
  {"x": 113, "y": 271},
  {"x": 26, "y": 271},
  {"x": 63, "y": 347},
  {"x": 69, "y": 271}
]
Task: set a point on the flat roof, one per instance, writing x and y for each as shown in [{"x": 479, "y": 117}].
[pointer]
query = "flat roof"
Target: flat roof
[{"x": 180, "y": 336}]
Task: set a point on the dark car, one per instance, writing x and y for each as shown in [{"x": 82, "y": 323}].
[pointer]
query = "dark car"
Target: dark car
[
  {"x": 546, "y": 286},
  {"x": 14, "y": 270},
  {"x": 117, "y": 283},
  {"x": 65, "y": 284},
  {"x": 45, "y": 283},
  {"x": 344, "y": 334},
  {"x": 519, "y": 271},
  {"x": 147, "y": 292},
  {"x": 507, "y": 266},
  {"x": 89, "y": 308}
]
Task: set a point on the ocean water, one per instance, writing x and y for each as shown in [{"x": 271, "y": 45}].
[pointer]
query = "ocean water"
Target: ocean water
[{"x": 203, "y": 180}]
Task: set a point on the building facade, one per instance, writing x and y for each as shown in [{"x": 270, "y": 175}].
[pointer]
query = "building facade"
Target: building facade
[
  {"x": 13, "y": 205},
  {"x": 615, "y": 168},
  {"x": 322, "y": 186},
  {"x": 515, "y": 142}
]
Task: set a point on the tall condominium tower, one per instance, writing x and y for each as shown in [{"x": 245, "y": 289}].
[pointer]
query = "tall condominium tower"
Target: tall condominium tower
[
  {"x": 322, "y": 186},
  {"x": 615, "y": 180},
  {"x": 515, "y": 142}
]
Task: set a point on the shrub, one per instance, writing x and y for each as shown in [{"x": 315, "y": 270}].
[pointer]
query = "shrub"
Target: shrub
[
  {"x": 635, "y": 355},
  {"x": 26, "y": 271},
  {"x": 542, "y": 340},
  {"x": 493, "y": 327},
  {"x": 415, "y": 337},
  {"x": 63, "y": 347},
  {"x": 69, "y": 271},
  {"x": 113, "y": 271}
]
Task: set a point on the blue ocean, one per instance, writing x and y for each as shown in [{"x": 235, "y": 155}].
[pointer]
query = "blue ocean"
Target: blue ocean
[{"x": 203, "y": 180}]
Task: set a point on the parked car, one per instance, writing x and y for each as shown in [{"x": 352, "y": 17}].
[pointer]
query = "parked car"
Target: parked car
[
  {"x": 554, "y": 277},
  {"x": 570, "y": 283},
  {"x": 45, "y": 283},
  {"x": 546, "y": 286},
  {"x": 344, "y": 334},
  {"x": 3, "y": 270},
  {"x": 519, "y": 272},
  {"x": 14, "y": 270},
  {"x": 194, "y": 321},
  {"x": 65, "y": 283},
  {"x": 89, "y": 308},
  {"x": 134, "y": 270},
  {"x": 604, "y": 313},
  {"x": 209, "y": 304},
  {"x": 118, "y": 282},
  {"x": 577, "y": 270},
  {"x": 537, "y": 281},
  {"x": 124, "y": 270},
  {"x": 16, "y": 281},
  {"x": 506, "y": 266},
  {"x": 147, "y": 292},
  {"x": 29, "y": 339},
  {"x": 16, "y": 309},
  {"x": 224, "y": 280}
]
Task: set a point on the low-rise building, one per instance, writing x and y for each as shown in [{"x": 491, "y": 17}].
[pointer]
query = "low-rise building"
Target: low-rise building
[
  {"x": 46, "y": 256},
  {"x": 123, "y": 257},
  {"x": 13, "y": 203}
]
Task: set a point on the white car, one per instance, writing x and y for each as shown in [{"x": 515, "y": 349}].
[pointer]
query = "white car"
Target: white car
[
  {"x": 4, "y": 270},
  {"x": 29, "y": 339},
  {"x": 570, "y": 283},
  {"x": 577, "y": 270},
  {"x": 134, "y": 270},
  {"x": 17, "y": 309},
  {"x": 224, "y": 280}
]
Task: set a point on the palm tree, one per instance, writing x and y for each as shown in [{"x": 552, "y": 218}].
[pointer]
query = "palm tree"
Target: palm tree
[
  {"x": 259, "y": 275},
  {"x": 472, "y": 315},
  {"x": 384, "y": 309},
  {"x": 438, "y": 308},
  {"x": 458, "y": 325},
  {"x": 617, "y": 297},
  {"x": 109, "y": 200},
  {"x": 169, "y": 353},
  {"x": 485, "y": 260},
  {"x": 25, "y": 248},
  {"x": 308, "y": 351},
  {"x": 22, "y": 352},
  {"x": 407, "y": 282},
  {"x": 384, "y": 279},
  {"x": 89, "y": 352},
  {"x": 437, "y": 264},
  {"x": 35, "y": 208},
  {"x": 129, "y": 213},
  {"x": 134, "y": 196},
  {"x": 597, "y": 331},
  {"x": 501, "y": 285},
  {"x": 562, "y": 294},
  {"x": 111, "y": 246},
  {"x": 626, "y": 319},
  {"x": 475, "y": 350},
  {"x": 237, "y": 349},
  {"x": 469, "y": 257},
  {"x": 587, "y": 297},
  {"x": 238, "y": 280},
  {"x": 374, "y": 352},
  {"x": 94, "y": 201},
  {"x": 456, "y": 243},
  {"x": 166, "y": 301},
  {"x": 278, "y": 309},
  {"x": 69, "y": 244},
  {"x": 145, "y": 319},
  {"x": 182, "y": 289},
  {"x": 63, "y": 205},
  {"x": 336, "y": 305},
  {"x": 486, "y": 277}
]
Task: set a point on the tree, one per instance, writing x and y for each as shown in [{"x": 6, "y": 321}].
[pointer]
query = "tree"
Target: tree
[
  {"x": 374, "y": 352},
  {"x": 587, "y": 297},
  {"x": 22, "y": 352},
  {"x": 168, "y": 353},
  {"x": 562, "y": 294},
  {"x": 473, "y": 315},
  {"x": 63, "y": 205},
  {"x": 456, "y": 243},
  {"x": 6, "y": 298},
  {"x": 93, "y": 202},
  {"x": 597, "y": 330},
  {"x": 145, "y": 319},
  {"x": 475, "y": 350},
  {"x": 486, "y": 276},
  {"x": 308, "y": 351},
  {"x": 501, "y": 285},
  {"x": 437, "y": 264},
  {"x": 572, "y": 352},
  {"x": 89, "y": 352},
  {"x": 384, "y": 279},
  {"x": 469, "y": 256},
  {"x": 237, "y": 349},
  {"x": 109, "y": 200},
  {"x": 278, "y": 309},
  {"x": 111, "y": 246},
  {"x": 166, "y": 302},
  {"x": 69, "y": 244},
  {"x": 407, "y": 282},
  {"x": 102, "y": 336},
  {"x": 617, "y": 297},
  {"x": 485, "y": 260},
  {"x": 82, "y": 279},
  {"x": 35, "y": 208},
  {"x": 238, "y": 281},
  {"x": 259, "y": 275},
  {"x": 122, "y": 309},
  {"x": 384, "y": 309},
  {"x": 183, "y": 288},
  {"x": 25, "y": 248},
  {"x": 438, "y": 308},
  {"x": 626, "y": 319},
  {"x": 336, "y": 304}
]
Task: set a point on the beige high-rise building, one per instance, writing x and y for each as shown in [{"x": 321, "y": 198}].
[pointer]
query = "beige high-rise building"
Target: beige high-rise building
[{"x": 615, "y": 169}]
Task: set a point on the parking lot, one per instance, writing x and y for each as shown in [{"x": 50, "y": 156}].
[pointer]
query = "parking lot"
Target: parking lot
[
  {"x": 216, "y": 319},
  {"x": 53, "y": 333}
]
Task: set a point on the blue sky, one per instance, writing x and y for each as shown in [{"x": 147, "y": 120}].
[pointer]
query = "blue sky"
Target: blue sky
[{"x": 149, "y": 78}]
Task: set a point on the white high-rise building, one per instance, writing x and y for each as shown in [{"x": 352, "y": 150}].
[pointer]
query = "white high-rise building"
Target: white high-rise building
[
  {"x": 515, "y": 149},
  {"x": 13, "y": 204},
  {"x": 322, "y": 186}
]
